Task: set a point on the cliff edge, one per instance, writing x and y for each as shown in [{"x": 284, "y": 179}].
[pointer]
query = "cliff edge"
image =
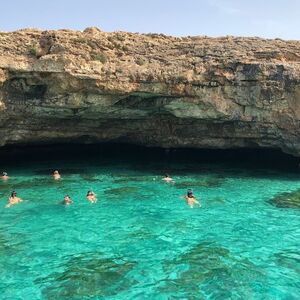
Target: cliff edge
[{"x": 149, "y": 89}]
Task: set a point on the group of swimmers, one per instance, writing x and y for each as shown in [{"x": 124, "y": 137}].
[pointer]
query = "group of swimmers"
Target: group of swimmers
[
  {"x": 91, "y": 196},
  {"x": 14, "y": 199}
]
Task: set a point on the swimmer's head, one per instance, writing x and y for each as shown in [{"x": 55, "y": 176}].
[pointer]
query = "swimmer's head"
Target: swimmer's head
[
  {"x": 67, "y": 197},
  {"x": 4, "y": 174},
  {"x": 89, "y": 193},
  {"x": 55, "y": 172},
  {"x": 13, "y": 194},
  {"x": 190, "y": 192},
  {"x": 167, "y": 175}
]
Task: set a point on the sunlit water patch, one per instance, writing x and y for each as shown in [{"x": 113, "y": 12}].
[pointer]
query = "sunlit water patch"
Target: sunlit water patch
[{"x": 141, "y": 240}]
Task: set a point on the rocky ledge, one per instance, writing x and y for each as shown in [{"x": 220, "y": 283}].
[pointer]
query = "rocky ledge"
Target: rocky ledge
[{"x": 149, "y": 89}]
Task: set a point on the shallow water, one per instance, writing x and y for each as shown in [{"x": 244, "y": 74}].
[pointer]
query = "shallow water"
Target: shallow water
[{"x": 141, "y": 241}]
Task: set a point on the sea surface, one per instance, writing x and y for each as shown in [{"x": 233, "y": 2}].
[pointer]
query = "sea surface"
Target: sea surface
[{"x": 141, "y": 240}]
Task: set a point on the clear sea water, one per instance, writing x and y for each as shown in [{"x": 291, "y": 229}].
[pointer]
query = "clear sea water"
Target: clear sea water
[{"x": 140, "y": 240}]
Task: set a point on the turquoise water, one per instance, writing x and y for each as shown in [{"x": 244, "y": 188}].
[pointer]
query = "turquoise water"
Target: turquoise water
[{"x": 140, "y": 240}]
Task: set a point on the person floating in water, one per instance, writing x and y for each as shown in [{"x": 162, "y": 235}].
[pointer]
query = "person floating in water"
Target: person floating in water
[
  {"x": 91, "y": 196},
  {"x": 167, "y": 178},
  {"x": 56, "y": 175},
  {"x": 67, "y": 200},
  {"x": 4, "y": 176},
  {"x": 13, "y": 199},
  {"x": 191, "y": 199}
]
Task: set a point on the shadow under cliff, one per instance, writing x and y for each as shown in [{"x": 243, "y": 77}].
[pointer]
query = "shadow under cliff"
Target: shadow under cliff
[{"x": 241, "y": 158}]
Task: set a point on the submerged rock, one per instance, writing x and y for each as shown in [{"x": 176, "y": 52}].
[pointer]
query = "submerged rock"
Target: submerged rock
[
  {"x": 12, "y": 244},
  {"x": 18, "y": 185},
  {"x": 89, "y": 177},
  {"x": 121, "y": 190},
  {"x": 141, "y": 234},
  {"x": 208, "y": 269},
  {"x": 149, "y": 89},
  {"x": 287, "y": 200},
  {"x": 206, "y": 182},
  {"x": 289, "y": 259},
  {"x": 216, "y": 201},
  {"x": 89, "y": 276},
  {"x": 4, "y": 243},
  {"x": 126, "y": 179}
]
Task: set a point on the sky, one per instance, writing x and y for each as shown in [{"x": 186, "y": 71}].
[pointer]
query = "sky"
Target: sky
[{"x": 264, "y": 18}]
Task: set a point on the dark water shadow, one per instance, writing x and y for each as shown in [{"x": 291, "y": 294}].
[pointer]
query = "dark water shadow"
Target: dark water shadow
[{"x": 250, "y": 159}]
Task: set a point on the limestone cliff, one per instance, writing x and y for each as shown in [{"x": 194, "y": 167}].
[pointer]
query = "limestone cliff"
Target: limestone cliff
[{"x": 153, "y": 90}]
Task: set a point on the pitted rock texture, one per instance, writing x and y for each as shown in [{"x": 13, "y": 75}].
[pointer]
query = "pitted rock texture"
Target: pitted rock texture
[{"x": 149, "y": 89}]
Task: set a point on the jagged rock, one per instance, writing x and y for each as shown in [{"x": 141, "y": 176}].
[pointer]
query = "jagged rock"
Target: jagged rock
[
  {"x": 56, "y": 49},
  {"x": 152, "y": 90},
  {"x": 92, "y": 30},
  {"x": 3, "y": 77}
]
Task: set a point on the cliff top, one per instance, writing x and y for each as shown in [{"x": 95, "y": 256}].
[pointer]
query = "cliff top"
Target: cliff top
[{"x": 92, "y": 44}]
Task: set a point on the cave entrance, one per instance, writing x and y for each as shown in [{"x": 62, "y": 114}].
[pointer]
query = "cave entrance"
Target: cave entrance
[{"x": 244, "y": 158}]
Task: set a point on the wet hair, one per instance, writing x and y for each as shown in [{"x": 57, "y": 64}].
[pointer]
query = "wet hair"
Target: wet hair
[
  {"x": 89, "y": 193},
  {"x": 189, "y": 192},
  {"x": 13, "y": 193},
  {"x": 167, "y": 175}
]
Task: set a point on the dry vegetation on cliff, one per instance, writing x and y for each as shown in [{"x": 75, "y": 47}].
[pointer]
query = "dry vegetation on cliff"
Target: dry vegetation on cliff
[{"x": 150, "y": 57}]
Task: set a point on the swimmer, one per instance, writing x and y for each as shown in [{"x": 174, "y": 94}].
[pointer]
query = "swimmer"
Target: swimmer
[
  {"x": 91, "y": 196},
  {"x": 191, "y": 199},
  {"x": 56, "y": 175},
  {"x": 167, "y": 178},
  {"x": 67, "y": 200},
  {"x": 4, "y": 176},
  {"x": 13, "y": 199}
]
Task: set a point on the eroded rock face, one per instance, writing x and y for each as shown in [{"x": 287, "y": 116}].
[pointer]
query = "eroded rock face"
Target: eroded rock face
[{"x": 153, "y": 90}]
